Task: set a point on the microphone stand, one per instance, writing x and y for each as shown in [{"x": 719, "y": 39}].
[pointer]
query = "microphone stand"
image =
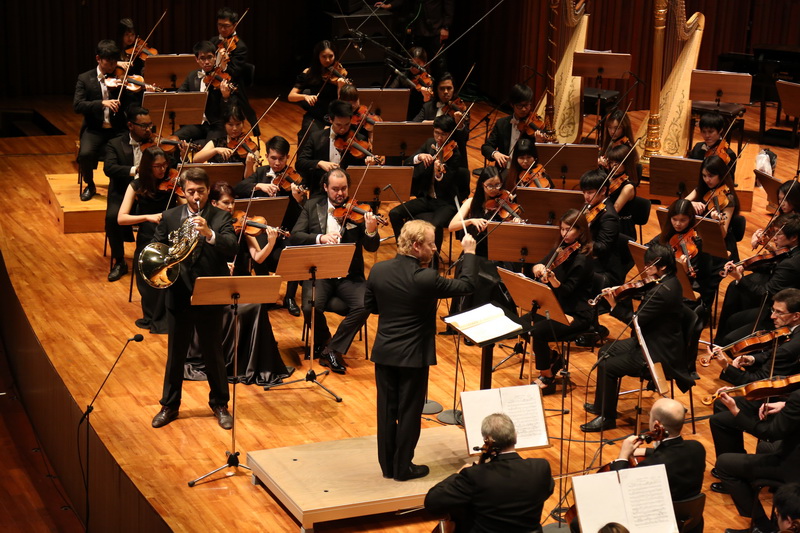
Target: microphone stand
[{"x": 86, "y": 417}]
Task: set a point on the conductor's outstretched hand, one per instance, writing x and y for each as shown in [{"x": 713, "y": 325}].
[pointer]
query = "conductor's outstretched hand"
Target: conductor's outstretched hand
[{"x": 468, "y": 244}]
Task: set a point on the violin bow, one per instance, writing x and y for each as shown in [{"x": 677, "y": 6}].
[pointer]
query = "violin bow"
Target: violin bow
[
  {"x": 218, "y": 62},
  {"x": 713, "y": 197},
  {"x": 246, "y": 135},
  {"x": 778, "y": 212},
  {"x": 161, "y": 125},
  {"x": 450, "y": 137},
  {"x": 454, "y": 41},
  {"x": 144, "y": 41}
]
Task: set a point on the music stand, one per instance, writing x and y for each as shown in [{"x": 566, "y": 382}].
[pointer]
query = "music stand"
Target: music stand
[
  {"x": 789, "y": 94},
  {"x": 270, "y": 208},
  {"x": 182, "y": 108},
  {"x": 401, "y": 139},
  {"x": 673, "y": 176},
  {"x": 390, "y": 104},
  {"x": 600, "y": 66},
  {"x": 711, "y": 232},
  {"x": 168, "y": 69},
  {"x": 233, "y": 290},
  {"x": 378, "y": 177},
  {"x": 656, "y": 369},
  {"x": 568, "y": 164},
  {"x": 637, "y": 252},
  {"x": 718, "y": 86},
  {"x": 530, "y": 295},
  {"x": 545, "y": 206},
  {"x": 520, "y": 243},
  {"x": 232, "y": 173},
  {"x": 312, "y": 262},
  {"x": 770, "y": 185}
]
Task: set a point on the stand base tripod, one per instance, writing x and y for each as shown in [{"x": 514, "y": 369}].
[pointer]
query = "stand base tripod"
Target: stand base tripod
[
  {"x": 312, "y": 377},
  {"x": 451, "y": 416},
  {"x": 233, "y": 462}
]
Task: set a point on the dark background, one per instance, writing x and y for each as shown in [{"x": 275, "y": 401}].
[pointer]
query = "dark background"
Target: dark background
[{"x": 49, "y": 42}]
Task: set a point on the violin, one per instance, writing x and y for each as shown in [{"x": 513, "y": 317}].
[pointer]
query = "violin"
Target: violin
[
  {"x": 533, "y": 175},
  {"x": 721, "y": 150},
  {"x": 355, "y": 213},
  {"x": 423, "y": 83},
  {"x": 559, "y": 258},
  {"x": 255, "y": 226},
  {"x": 169, "y": 183},
  {"x": 357, "y": 148},
  {"x": 594, "y": 212},
  {"x": 752, "y": 343},
  {"x": 718, "y": 199},
  {"x": 456, "y": 105},
  {"x": 289, "y": 176},
  {"x": 169, "y": 144},
  {"x": 362, "y": 114},
  {"x": 626, "y": 290},
  {"x": 489, "y": 450},
  {"x": 248, "y": 146},
  {"x": 767, "y": 235},
  {"x": 226, "y": 45},
  {"x": 616, "y": 182},
  {"x": 134, "y": 83},
  {"x": 505, "y": 208},
  {"x": 446, "y": 153},
  {"x": 530, "y": 125},
  {"x": 758, "y": 390},
  {"x": 685, "y": 246},
  {"x": 144, "y": 50},
  {"x": 757, "y": 260},
  {"x": 335, "y": 73},
  {"x": 217, "y": 76}
]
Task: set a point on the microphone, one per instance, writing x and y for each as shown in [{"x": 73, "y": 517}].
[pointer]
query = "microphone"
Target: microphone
[
  {"x": 637, "y": 78},
  {"x": 137, "y": 338}
]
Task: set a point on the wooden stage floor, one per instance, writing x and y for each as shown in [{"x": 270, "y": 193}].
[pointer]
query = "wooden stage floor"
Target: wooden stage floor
[{"x": 81, "y": 321}]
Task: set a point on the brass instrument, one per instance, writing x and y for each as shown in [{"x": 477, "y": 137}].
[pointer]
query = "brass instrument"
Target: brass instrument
[{"x": 160, "y": 264}]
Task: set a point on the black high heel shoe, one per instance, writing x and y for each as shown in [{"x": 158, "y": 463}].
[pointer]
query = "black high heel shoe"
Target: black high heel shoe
[{"x": 549, "y": 385}]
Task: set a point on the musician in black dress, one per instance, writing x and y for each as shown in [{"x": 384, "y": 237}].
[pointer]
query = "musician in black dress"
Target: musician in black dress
[
  {"x": 622, "y": 185},
  {"x": 220, "y": 149}
]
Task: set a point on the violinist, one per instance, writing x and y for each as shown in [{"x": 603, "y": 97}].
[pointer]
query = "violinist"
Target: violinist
[
  {"x": 712, "y": 127},
  {"x": 317, "y": 87},
  {"x": 571, "y": 281},
  {"x": 433, "y": 183},
  {"x": 145, "y": 199},
  {"x": 716, "y": 197},
  {"x": 321, "y": 153},
  {"x": 420, "y": 81},
  {"x": 660, "y": 318},
  {"x": 445, "y": 101},
  {"x": 507, "y": 493},
  {"x": 101, "y": 108},
  {"x": 787, "y": 507},
  {"x": 261, "y": 184},
  {"x": 505, "y": 133},
  {"x": 746, "y": 294},
  {"x": 349, "y": 93},
  {"x": 523, "y": 160},
  {"x": 233, "y": 55},
  {"x": 127, "y": 39},
  {"x": 622, "y": 185},
  {"x": 605, "y": 229},
  {"x": 317, "y": 225},
  {"x": 221, "y": 149},
  {"x": 429, "y": 27},
  {"x": 788, "y": 204},
  {"x": 618, "y": 131}
]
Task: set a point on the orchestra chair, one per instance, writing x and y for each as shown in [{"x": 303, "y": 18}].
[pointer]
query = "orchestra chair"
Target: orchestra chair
[
  {"x": 689, "y": 513},
  {"x": 334, "y": 305},
  {"x": 640, "y": 213}
]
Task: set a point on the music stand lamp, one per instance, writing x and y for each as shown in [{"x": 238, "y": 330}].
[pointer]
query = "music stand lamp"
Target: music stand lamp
[
  {"x": 723, "y": 92},
  {"x": 233, "y": 290},
  {"x": 600, "y": 66},
  {"x": 313, "y": 262},
  {"x": 182, "y": 108}
]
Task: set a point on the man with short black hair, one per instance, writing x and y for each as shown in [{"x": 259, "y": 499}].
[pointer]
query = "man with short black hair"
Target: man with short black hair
[{"x": 505, "y": 133}]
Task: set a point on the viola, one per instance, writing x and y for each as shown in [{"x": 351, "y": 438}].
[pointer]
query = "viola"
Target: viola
[
  {"x": 169, "y": 183},
  {"x": 721, "y": 150},
  {"x": 718, "y": 199},
  {"x": 505, "y": 208},
  {"x": 134, "y": 83},
  {"x": 627, "y": 290},
  {"x": 355, "y": 213},
  {"x": 169, "y": 144},
  {"x": 752, "y": 343},
  {"x": 144, "y": 51},
  {"x": 287, "y": 178},
  {"x": 685, "y": 247},
  {"x": 357, "y": 148},
  {"x": 254, "y": 226},
  {"x": 763, "y": 388}
]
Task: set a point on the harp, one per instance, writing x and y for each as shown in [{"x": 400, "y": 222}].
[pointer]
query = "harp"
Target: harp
[
  {"x": 676, "y": 45},
  {"x": 566, "y": 34}
]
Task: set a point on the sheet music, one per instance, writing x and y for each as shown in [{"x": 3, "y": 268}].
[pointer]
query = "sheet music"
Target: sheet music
[
  {"x": 648, "y": 503},
  {"x": 483, "y": 323},
  {"x": 598, "y": 498}
]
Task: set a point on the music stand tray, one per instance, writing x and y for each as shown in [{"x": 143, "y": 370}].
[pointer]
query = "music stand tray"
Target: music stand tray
[
  {"x": 232, "y": 173},
  {"x": 518, "y": 243},
  {"x": 273, "y": 209},
  {"x": 567, "y": 163},
  {"x": 169, "y": 69},
  {"x": 390, "y": 104},
  {"x": 530, "y": 295},
  {"x": 637, "y": 252},
  {"x": 673, "y": 176},
  {"x": 378, "y": 177},
  {"x": 393, "y": 139},
  {"x": 606, "y": 65},
  {"x": 720, "y": 86},
  {"x": 770, "y": 185},
  {"x": 182, "y": 108},
  {"x": 545, "y": 206}
]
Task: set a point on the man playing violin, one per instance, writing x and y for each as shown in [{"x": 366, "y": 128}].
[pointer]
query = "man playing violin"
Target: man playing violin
[
  {"x": 319, "y": 154},
  {"x": 604, "y": 226},
  {"x": 317, "y": 225},
  {"x": 261, "y": 184},
  {"x": 505, "y": 133},
  {"x": 442, "y": 103},
  {"x": 236, "y": 58},
  {"x": 433, "y": 183},
  {"x": 746, "y": 295},
  {"x": 712, "y": 126}
]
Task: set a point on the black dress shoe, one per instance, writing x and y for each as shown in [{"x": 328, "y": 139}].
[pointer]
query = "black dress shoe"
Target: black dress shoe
[
  {"x": 715, "y": 473},
  {"x": 328, "y": 359},
  {"x": 414, "y": 472},
  {"x": 164, "y": 417},
  {"x": 291, "y": 306},
  {"x": 591, "y": 408},
  {"x": 600, "y": 423},
  {"x": 717, "y": 486},
  {"x": 117, "y": 271},
  {"x": 88, "y": 192},
  {"x": 223, "y": 416}
]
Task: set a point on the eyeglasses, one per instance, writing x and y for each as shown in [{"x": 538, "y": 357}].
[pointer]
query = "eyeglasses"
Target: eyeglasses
[
  {"x": 148, "y": 126},
  {"x": 160, "y": 166},
  {"x": 779, "y": 313},
  {"x": 493, "y": 187},
  {"x": 224, "y": 25}
]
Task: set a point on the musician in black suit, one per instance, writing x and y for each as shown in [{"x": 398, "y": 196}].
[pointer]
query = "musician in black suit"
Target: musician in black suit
[
  {"x": 317, "y": 225},
  {"x": 605, "y": 230},
  {"x": 660, "y": 318},
  {"x": 227, "y": 19},
  {"x": 217, "y": 244},
  {"x": 746, "y": 294},
  {"x": 121, "y": 164},
  {"x": 712, "y": 126},
  {"x": 433, "y": 184},
  {"x": 430, "y": 22},
  {"x": 319, "y": 154},
  {"x": 404, "y": 293},
  {"x": 776, "y": 421},
  {"x": 102, "y": 112},
  {"x": 444, "y": 93},
  {"x": 507, "y": 493},
  {"x": 505, "y": 134}
]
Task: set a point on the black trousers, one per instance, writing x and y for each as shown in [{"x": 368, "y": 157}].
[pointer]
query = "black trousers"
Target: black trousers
[
  {"x": 738, "y": 470},
  {"x": 625, "y": 358},
  {"x": 352, "y": 295},
  {"x": 546, "y": 331},
  {"x": 728, "y": 437},
  {"x": 117, "y": 235},
  {"x": 93, "y": 145},
  {"x": 206, "y": 321},
  {"x": 401, "y": 397},
  {"x": 437, "y": 211},
  {"x": 200, "y": 133},
  {"x": 154, "y": 310}
]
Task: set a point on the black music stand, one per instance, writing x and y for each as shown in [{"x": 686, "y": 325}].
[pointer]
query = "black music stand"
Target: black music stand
[
  {"x": 673, "y": 176},
  {"x": 182, "y": 108},
  {"x": 600, "y": 66},
  {"x": 724, "y": 92},
  {"x": 378, "y": 177},
  {"x": 545, "y": 206},
  {"x": 169, "y": 70},
  {"x": 313, "y": 262},
  {"x": 771, "y": 185},
  {"x": 234, "y": 290},
  {"x": 273, "y": 209},
  {"x": 520, "y": 243},
  {"x": 390, "y": 104},
  {"x": 393, "y": 139},
  {"x": 637, "y": 252},
  {"x": 232, "y": 173},
  {"x": 566, "y": 166}
]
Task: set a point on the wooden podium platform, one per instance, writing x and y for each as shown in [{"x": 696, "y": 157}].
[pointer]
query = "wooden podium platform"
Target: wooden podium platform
[
  {"x": 341, "y": 479},
  {"x": 72, "y": 215}
]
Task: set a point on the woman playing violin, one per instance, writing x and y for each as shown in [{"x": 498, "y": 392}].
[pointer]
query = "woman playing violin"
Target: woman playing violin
[
  {"x": 622, "y": 185},
  {"x": 715, "y": 196},
  {"x": 618, "y": 131},
  {"x": 788, "y": 204},
  {"x": 145, "y": 199},
  {"x": 127, "y": 39},
  {"x": 571, "y": 281},
  {"x": 525, "y": 170},
  {"x": 221, "y": 149}
]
